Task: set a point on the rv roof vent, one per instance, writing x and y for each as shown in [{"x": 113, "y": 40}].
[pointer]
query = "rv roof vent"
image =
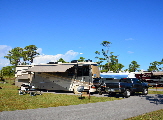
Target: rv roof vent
[
  {"x": 51, "y": 63},
  {"x": 88, "y": 60},
  {"x": 74, "y": 61}
]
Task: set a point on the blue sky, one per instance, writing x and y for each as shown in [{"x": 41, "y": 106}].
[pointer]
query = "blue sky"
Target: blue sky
[{"x": 66, "y": 28}]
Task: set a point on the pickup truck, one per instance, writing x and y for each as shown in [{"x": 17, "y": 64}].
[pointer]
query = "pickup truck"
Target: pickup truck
[{"x": 125, "y": 86}]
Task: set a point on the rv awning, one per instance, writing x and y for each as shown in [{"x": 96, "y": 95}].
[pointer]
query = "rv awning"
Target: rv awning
[
  {"x": 157, "y": 73},
  {"x": 23, "y": 77},
  {"x": 57, "y": 68}
]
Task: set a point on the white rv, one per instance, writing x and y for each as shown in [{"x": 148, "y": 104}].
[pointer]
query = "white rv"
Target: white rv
[
  {"x": 22, "y": 75},
  {"x": 60, "y": 76}
]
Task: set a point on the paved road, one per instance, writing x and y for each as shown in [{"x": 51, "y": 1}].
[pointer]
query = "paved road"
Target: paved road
[{"x": 111, "y": 110}]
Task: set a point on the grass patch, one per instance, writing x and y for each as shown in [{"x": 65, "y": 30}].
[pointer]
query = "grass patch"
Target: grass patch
[
  {"x": 155, "y": 87},
  {"x": 155, "y": 92},
  {"x": 156, "y": 115},
  {"x": 11, "y": 100}
]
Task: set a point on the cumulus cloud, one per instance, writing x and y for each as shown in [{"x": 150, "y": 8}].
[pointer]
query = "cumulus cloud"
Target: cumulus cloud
[
  {"x": 4, "y": 62},
  {"x": 129, "y": 39},
  {"x": 68, "y": 56},
  {"x": 39, "y": 50},
  {"x": 130, "y": 52},
  {"x": 4, "y": 50}
]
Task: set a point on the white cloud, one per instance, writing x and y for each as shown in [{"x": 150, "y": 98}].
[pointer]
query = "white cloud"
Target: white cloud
[
  {"x": 130, "y": 52},
  {"x": 39, "y": 50},
  {"x": 68, "y": 56},
  {"x": 4, "y": 63},
  {"x": 4, "y": 50},
  {"x": 129, "y": 39}
]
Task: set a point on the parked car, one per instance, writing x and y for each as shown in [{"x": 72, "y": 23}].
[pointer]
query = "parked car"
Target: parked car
[{"x": 125, "y": 86}]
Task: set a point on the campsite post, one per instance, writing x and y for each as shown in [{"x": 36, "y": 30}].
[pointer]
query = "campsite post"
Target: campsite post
[{"x": 89, "y": 79}]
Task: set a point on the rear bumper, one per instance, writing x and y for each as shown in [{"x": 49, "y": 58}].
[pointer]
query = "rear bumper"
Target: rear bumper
[{"x": 114, "y": 90}]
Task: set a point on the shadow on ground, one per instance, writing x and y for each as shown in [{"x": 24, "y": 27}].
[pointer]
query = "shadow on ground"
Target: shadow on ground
[{"x": 155, "y": 99}]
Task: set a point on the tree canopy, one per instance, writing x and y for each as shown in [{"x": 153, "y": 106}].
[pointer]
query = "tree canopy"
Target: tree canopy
[
  {"x": 156, "y": 66},
  {"x": 62, "y": 60},
  {"x": 20, "y": 55},
  {"x": 81, "y": 59},
  {"x": 112, "y": 60},
  {"x": 7, "y": 71},
  {"x": 133, "y": 66}
]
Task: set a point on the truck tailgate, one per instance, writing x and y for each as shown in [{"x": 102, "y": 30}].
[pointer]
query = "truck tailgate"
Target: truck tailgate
[{"x": 112, "y": 85}]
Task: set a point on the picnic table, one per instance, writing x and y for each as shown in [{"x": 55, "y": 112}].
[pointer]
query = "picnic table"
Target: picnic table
[{"x": 29, "y": 90}]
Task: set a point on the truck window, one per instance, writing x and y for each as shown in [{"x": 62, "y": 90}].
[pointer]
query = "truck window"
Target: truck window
[
  {"x": 125, "y": 80},
  {"x": 136, "y": 80}
]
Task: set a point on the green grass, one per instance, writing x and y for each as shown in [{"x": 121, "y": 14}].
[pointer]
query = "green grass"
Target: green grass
[
  {"x": 11, "y": 100},
  {"x": 155, "y": 92},
  {"x": 156, "y": 115}
]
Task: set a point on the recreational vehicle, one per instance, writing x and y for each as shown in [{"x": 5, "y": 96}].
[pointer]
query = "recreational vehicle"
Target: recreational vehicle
[
  {"x": 59, "y": 76},
  {"x": 152, "y": 78}
]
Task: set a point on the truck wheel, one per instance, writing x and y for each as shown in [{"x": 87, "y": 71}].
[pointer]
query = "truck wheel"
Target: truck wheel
[
  {"x": 127, "y": 93},
  {"x": 145, "y": 91}
]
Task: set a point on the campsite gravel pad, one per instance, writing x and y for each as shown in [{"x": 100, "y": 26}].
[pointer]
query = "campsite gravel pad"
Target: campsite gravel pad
[{"x": 111, "y": 110}]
